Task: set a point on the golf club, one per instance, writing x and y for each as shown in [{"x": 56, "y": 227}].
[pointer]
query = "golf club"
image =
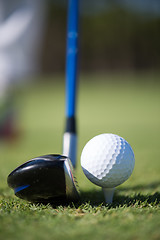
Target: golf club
[
  {"x": 45, "y": 179},
  {"x": 50, "y": 178}
]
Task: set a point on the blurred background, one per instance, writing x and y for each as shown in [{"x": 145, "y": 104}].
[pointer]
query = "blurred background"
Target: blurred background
[{"x": 114, "y": 36}]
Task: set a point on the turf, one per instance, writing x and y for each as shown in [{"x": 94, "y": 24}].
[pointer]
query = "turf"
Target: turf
[{"x": 124, "y": 104}]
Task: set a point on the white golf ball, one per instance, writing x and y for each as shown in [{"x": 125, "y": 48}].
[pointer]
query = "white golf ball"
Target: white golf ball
[{"x": 107, "y": 160}]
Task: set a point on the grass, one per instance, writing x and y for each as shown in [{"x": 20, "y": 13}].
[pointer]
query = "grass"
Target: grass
[{"x": 127, "y": 105}]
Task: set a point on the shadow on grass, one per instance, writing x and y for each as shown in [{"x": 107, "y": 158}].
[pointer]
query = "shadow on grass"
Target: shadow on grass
[
  {"x": 96, "y": 198},
  {"x": 138, "y": 200}
]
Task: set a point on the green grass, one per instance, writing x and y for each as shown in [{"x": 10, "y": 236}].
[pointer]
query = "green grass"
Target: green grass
[{"x": 127, "y": 105}]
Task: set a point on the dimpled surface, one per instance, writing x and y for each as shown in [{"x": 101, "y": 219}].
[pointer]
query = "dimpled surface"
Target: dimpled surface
[{"x": 107, "y": 160}]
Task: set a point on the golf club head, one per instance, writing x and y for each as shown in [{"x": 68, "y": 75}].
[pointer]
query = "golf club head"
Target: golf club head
[{"x": 45, "y": 179}]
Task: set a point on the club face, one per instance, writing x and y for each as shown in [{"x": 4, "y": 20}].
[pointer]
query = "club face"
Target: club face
[{"x": 45, "y": 179}]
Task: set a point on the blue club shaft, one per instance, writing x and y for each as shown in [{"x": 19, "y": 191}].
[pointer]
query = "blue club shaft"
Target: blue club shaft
[{"x": 72, "y": 57}]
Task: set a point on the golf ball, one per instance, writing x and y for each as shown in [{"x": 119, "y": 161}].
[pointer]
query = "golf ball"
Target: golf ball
[{"x": 107, "y": 160}]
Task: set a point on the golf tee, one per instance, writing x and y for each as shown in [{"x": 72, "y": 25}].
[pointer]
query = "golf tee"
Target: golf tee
[{"x": 108, "y": 194}]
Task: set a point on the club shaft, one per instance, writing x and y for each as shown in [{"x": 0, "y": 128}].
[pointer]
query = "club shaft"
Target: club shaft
[
  {"x": 72, "y": 57},
  {"x": 70, "y": 135}
]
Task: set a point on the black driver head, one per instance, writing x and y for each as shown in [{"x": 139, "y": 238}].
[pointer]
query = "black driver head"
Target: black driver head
[{"x": 45, "y": 179}]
